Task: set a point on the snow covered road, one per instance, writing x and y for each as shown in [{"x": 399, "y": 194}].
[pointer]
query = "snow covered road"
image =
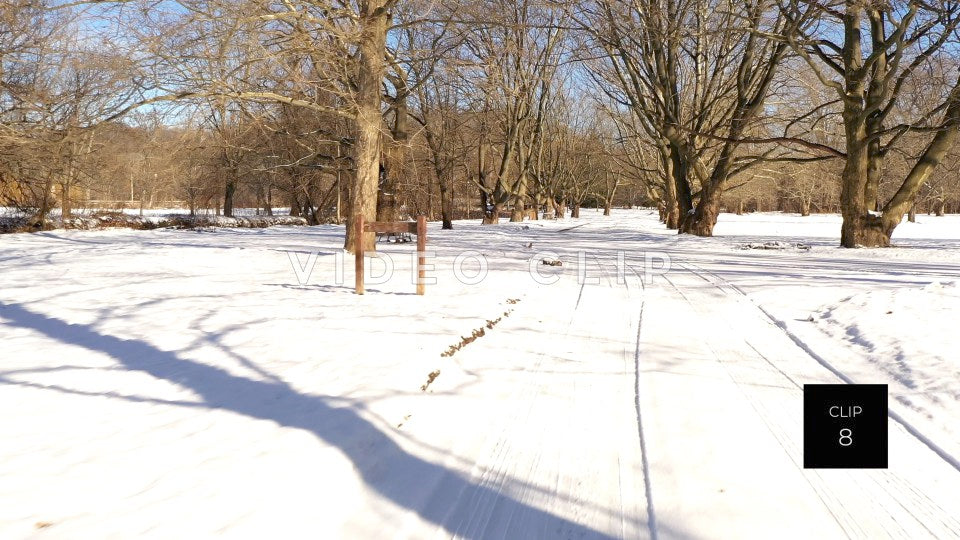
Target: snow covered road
[{"x": 189, "y": 384}]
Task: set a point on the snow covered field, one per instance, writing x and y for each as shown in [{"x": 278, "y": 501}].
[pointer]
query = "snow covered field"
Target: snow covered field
[{"x": 191, "y": 384}]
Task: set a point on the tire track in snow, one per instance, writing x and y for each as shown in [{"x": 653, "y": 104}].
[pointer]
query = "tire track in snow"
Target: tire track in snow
[
  {"x": 896, "y": 488},
  {"x": 494, "y": 472},
  {"x": 505, "y": 465},
  {"x": 647, "y": 483},
  {"x": 910, "y": 428},
  {"x": 746, "y": 456},
  {"x": 845, "y": 522},
  {"x": 613, "y": 283}
]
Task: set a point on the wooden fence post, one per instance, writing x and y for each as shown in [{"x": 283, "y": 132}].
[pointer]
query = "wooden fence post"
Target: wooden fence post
[
  {"x": 421, "y": 254},
  {"x": 358, "y": 251}
]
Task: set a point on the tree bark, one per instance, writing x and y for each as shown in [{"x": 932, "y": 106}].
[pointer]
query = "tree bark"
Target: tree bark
[
  {"x": 671, "y": 211},
  {"x": 560, "y": 208},
  {"x": 871, "y": 189},
  {"x": 519, "y": 199},
  {"x": 374, "y": 20},
  {"x": 228, "y": 192},
  {"x": 859, "y": 228},
  {"x": 392, "y": 163},
  {"x": 446, "y": 203},
  {"x": 680, "y": 169},
  {"x": 704, "y": 217},
  {"x": 294, "y": 202},
  {"x": 66, "y": 208},
  {"x": 492, "y": 217},
  {"x": 519, "y": 210}
]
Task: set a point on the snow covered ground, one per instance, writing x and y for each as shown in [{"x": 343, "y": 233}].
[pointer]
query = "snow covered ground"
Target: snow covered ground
[
  {"x": 202, "y": 211},
  {"x": 154, "y": 212},
  {"x": 228, "y": 383}
]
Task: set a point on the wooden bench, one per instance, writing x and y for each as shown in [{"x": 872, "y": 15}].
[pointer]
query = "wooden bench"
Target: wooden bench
[
  {"x": 418, "y": 227},
  {"x": 398, "y": 238}
]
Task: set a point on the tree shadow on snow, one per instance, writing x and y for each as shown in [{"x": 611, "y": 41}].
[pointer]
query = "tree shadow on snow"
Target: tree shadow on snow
[{"x": 458, "y": 505}]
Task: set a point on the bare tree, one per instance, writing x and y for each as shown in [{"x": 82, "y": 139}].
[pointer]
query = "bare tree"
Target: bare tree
[
  {"x": 870, "y": 54},
  {"x": 295, "y": 52},
  {"x": 696, "y": 75},
  {"x": 517, "y": 49}
]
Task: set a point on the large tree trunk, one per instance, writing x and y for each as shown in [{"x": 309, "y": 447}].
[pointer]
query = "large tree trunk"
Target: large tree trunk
[
  {"x": 228, "y": 193},
  {"x": 704, "y": 218},
  {"x": 671, "y": 207},
  {"x": 374, "y": 20},
  {"x": 575, "y": 210},
  {"x": 446, "y": 201},
  {"x": 871, "y": 189},
  {"x": 681, "y": 169},
  {"x": 876, "y": 92},
  {"x": 672, "y": 220},
  {"x": 294, "y": 202},
  {"x": 859, "y": 227}
]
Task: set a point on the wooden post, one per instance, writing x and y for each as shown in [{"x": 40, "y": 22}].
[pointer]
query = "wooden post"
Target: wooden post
[
  {"x": 421, "y": 254},
  {"x": 358, "y": 251}
]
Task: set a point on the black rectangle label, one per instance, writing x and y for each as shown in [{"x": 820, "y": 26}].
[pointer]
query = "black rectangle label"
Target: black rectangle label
[{"x": 845, "y": 426}]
